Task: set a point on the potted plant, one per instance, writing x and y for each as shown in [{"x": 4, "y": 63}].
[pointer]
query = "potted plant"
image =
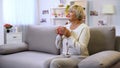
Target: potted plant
[{"x": 8, "y": 27}]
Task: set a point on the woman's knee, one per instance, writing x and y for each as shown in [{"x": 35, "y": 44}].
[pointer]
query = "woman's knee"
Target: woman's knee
[{"x": 55, "y": 63}]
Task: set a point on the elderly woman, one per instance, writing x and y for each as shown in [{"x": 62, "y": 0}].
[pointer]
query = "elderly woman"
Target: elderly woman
[{"x": 72, "y": 40}]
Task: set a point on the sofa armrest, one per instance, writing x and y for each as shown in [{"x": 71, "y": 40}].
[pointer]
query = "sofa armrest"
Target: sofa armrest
[
  {"x": 12, "y": 48},
  {"x": 100, "y": 60},
  {"x": 117, "y": 43}
]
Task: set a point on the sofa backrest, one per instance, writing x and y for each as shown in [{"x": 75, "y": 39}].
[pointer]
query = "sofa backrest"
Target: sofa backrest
[
  {"x": 41, "y": 38},
  {"x": 101, "y": 39}
]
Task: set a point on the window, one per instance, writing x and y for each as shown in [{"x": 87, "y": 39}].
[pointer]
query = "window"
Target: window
[{"x": 19, "y": 11}]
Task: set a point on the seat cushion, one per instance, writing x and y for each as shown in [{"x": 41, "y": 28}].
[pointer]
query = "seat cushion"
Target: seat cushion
[
  {"x": 12, "y": 48},
  {"x": 103, "y": 59},
  {"x": 26, "y": 59},
  {"x": 42, "y": 38},
  {"x": 101, "y": 39}
]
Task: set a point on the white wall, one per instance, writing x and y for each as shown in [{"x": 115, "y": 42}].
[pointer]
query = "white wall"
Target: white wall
[
  {"x": 1, "y": 25},
  {"x": 47, "y": 5},
  {"x": 97, "y": 5}
]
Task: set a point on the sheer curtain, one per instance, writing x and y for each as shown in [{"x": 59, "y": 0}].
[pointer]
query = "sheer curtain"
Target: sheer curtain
[{"x": 19, "y": 12}]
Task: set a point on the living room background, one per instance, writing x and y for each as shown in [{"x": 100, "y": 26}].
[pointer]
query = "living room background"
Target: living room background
[
  {"x": 33, "y": 13},
  {"x": 30, "y": 11}
]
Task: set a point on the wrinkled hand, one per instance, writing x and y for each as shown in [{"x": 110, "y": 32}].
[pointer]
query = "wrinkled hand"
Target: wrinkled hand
[
  {"x": 59, "y": 30},
  {"x": 63, "y": 31}
]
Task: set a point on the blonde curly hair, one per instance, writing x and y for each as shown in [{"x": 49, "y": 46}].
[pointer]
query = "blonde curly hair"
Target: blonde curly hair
[{"x": 79, "y": 11}]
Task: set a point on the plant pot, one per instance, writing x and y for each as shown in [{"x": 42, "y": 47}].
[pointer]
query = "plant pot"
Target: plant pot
[{"x": 7, "y": 30}]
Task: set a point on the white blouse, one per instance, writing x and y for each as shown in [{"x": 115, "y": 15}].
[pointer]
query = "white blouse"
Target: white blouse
[{"x": 77, "y": 43}]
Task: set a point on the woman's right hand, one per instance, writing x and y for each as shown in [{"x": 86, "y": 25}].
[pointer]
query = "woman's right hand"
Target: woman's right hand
[
  {"x": 63, "y": 31},
  {"x": 60, "y": 30}
]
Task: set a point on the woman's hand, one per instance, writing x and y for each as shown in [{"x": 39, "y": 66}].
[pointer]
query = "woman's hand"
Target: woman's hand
[
  {"x": 63, "y": 31},
  {"x": 67, "y": 33},
  {"x": 60, "y": 30}
]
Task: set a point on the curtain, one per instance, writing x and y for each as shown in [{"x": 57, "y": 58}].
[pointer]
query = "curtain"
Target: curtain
[{"x": 19, "y": 12}]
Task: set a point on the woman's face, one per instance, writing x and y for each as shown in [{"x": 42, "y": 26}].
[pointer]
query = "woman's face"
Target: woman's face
[{"x": 71, "y": 16}]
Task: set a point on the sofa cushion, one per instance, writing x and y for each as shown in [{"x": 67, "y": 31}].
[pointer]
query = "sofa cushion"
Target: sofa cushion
[
  {"x": 100, "y": 60},
  {"x": 101, "y": 39},
  {"x": 27, "y": 59},
  {"x": 13, "y": 48},
  {"x": 42, "y": 38}
]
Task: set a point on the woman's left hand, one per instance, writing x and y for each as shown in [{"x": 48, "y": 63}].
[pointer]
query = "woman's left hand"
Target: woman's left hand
[
  {"x": 63, "y": 31},
  {"x": 66, "y": 32}
]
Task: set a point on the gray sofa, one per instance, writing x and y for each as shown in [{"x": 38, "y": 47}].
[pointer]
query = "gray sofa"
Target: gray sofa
[{"x": 39, "y": 47}]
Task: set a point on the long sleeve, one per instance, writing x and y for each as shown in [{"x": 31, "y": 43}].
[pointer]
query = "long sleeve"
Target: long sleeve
[
  {"x": 78, "y": 41},
  {"x": 58, "y": 41}
]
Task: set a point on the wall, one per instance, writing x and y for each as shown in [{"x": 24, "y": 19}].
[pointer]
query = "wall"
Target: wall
[
  {"x": 97, "y": 5},
  {"x": 1, "y": 25},
  {"x": 45, "y": 5}
]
